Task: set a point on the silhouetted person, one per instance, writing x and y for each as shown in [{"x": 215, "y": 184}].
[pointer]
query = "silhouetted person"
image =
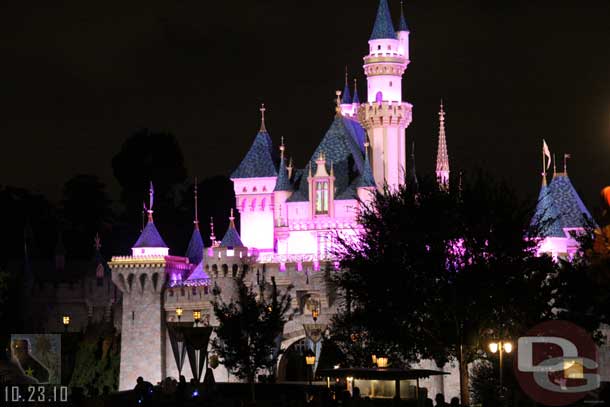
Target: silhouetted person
[
  {"x": 181, "y": 391},
  {"x": 143, "y": 390},
  {"x": 440, "y": 400},
  {"x": 455, "y": 402}
]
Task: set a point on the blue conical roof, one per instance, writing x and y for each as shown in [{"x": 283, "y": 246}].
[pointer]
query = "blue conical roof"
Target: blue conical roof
[
  {"x": 355, "y": 99},
  {"x": 571, "y": 211},
  {"x": 346, "y": 98},
  {"x": 194, "y": 251},
  {"x": 231, "y": 238},
  {"x": 402, "y": 23},
  {"x": 259, "y": 160},
  {"x": 283, "y": 181},
  {"x": 366, "y": 178},
  {"x": 150, "y": 237},
  {"x": 383, "y": 28},
  {"x": 545, "y": 216}
]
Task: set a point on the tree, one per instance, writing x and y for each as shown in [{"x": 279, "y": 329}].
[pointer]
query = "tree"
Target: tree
[
  {"x": 86, "y": 211},
  {"x": 437, "y": 274},
  {"x": 248, "y": 328},
  {"x": 153, "y": 156}
]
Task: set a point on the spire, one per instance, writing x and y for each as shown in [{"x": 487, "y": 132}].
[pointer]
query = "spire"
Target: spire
[
  {"x": 213, "y": 240},
  {"x": 402, "y": 23},
  {"x": 261, "y": 160},
  {"x": 383, "y": 28},
  {"x": 151, "y": 198},
  {"x": 283, "y": 179},
  {"x": 546, "y": 153},
  {"x": 554, "y": 166},
  {"x": 150, "y": 237},
  {"x": 366, "y": 178},
  {"x": 565, "y": 163},
  {"x": 355, "y": 99},
  {"x": 413, "y": 172},
  {"x": 289, "y": 167},
  {"x": 442, "y": 158},
  {"x": 196, "y": 221},
  {"x": 263, "y": 129},
  {"x": 347, "y": 98},
  {"x": 338, "y": 103},
  {"x": 231, "y": 238}
]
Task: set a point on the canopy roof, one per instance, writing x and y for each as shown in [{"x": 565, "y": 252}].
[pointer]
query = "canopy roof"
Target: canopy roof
[{"x": 389, "y": 373}]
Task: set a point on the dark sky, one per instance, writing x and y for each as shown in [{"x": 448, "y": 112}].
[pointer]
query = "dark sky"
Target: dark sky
[{"x": 78, "y": 77}]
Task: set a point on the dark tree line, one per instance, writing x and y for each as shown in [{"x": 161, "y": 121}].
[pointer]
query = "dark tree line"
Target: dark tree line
[{"x": 439, "y": 274}]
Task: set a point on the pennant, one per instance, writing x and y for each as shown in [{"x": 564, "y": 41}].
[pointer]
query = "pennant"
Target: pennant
[{"x": 547, "y": 153}]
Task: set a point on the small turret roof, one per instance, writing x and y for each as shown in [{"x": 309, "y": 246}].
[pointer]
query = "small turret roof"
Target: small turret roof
[
  {"x": 346, "y": 98},
  {"x": 194, "y": 250},
  {"x": 283, "y": 180},
  {"x": 259, "y": 160},
  {"x": 383, "y": 28},
  {"x": 366, "y": 179},
  {"x": 231, "y": 237},
  {"x": 150, "y": 237},
  {"x": 402, "y": 23},
  {"x": 355, "y": 99},
  {"x": 545, "y": 215}
]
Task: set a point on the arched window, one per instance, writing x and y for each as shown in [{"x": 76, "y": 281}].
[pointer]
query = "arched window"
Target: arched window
[
  {"x": 379, "y": 97},
  {"x": 321, "y": 197}
]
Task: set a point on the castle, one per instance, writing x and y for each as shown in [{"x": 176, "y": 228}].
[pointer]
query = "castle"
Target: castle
[{"x": 288, "y": 216}]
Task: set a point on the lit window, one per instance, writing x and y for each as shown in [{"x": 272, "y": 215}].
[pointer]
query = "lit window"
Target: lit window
[{"x": 321, "y": 197}]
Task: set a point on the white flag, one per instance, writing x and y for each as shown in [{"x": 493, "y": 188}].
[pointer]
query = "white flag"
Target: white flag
[{"x": 547, "y": 153}]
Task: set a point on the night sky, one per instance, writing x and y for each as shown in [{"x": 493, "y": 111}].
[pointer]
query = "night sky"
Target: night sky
[{"x": 77, "y": 78}]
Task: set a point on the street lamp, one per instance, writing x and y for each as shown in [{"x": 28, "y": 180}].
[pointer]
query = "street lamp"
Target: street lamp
[
  {"x": 66, "y": 322},
  {"x": 382, "y": 361},
  {"x": 501, "y": 347},
  {"x": 179, "y": 313},
  {"x": 315, "y": 313},
  {"x": 374, "y": 359},
  {"x": 197, "y": 316},
  {"x": 310, "y": 360}
]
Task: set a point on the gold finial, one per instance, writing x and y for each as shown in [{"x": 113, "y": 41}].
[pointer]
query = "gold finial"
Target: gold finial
[
  {"x": 366, "y": 147},
  {"x": 262, "y": 109},
  {"x": 282, "y": 147},
  {"x": 212, "y": 235},
  {"x": 332, "y": 169},
  {"x": 97, "y": 241},
  {"x": 338, "y": 107},
  {"x": 346, "y": 80},
  {"x": 231, "y": 219},
  {"x": 289, "y": 168}
]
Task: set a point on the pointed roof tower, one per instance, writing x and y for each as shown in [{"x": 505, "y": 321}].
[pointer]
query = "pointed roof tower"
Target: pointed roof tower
[
  {"x": 402, "y": 23},
  {"x": 194, "y": 250},
  {"x": 442, "y": 158},
  {"x": 383, "y": 28},
  {"x": 283, "y": 180},
  {"x": 150, "y": 241},
  {"x": 356, "y": 99},
  {"x": 571, "y": 211},
  {"x": 231, "y": 238},
  {"x": 260, "y": 160},
  {"x": 346, "y": 99},
  {"x": 366, "y": 179}
]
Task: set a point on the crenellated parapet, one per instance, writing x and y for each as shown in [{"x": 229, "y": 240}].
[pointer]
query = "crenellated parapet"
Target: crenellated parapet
[
  {"x": 147, "y": 274},
  {"x": 371, "y": 115}
]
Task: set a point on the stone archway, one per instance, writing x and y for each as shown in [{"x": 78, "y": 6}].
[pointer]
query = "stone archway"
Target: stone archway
[{"x": 291, "y": 365}]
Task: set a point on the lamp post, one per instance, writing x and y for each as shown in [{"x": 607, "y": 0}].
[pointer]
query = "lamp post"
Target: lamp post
[
  {"x": 310, "y": 360},
  {"x": 382, "y": 361},
  {"x": 501, "y": 347},
  {"x": 197, "y": 316},
  {"x": 66, "y": 322},
  {"x": 179, "y": 313}
]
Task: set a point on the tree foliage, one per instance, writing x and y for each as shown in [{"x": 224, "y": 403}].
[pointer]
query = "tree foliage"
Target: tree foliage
[
  {"x": 249, "y": 325},
  {"x": 437, "y": 274}
]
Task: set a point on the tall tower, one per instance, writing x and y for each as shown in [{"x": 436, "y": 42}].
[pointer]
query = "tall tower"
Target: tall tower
[
  {"x": 442, "y": 157},
  {"x": 385, "y": 116}
]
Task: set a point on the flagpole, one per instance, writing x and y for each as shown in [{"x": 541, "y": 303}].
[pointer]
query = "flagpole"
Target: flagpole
[{"x": 543, "y": 166}]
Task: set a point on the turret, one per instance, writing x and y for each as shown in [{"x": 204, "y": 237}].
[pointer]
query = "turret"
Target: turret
[
  {"x": 253, "y": 182},
  {"x": 386, "y": 116},
  {"x": 402, "y": 32},
  {"x": 283, "y": 189},
  {"x": 142, "y": 278},
  {"x": 194, "y": 251},
  {"x": 321, "y": 188}
]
